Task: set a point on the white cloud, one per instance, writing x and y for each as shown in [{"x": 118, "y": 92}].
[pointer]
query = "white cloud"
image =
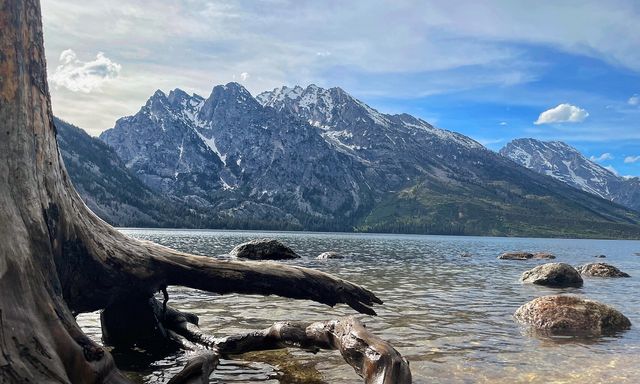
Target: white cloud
[
  {"x": 605, "y": 156},
  {"x": 503, "y": 123},
  {"x": 634, "y": 100},
  {"x": 563, "y": 113},
  {"x": 84, "y": 76},
  {"x": 409, "y": 48},
  {"x": 631, "y": 159},
  {"x": 612, "y": 170},
  {"x": 244, "y": 76}
]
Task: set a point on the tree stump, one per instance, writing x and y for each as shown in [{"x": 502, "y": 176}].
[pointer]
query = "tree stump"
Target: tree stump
[{"x": 58, "y": 259}]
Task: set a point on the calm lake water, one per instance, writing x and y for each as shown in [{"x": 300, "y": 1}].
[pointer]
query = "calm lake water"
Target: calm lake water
[{"x": 451, "y": 316}]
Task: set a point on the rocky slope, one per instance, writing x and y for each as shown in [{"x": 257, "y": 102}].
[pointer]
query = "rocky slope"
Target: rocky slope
[
  {"x": 565, "y": 163},
  {"x": 104, "y": 183},
  {"x": 321, "y": 159}
]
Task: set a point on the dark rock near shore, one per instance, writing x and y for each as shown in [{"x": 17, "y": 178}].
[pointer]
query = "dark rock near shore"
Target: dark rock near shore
[
  {"x": 558, "y": 275},
  {"x": 329, "y": 255},
  {"x": 601, "y": 270},
  {"x": 516, "y": 256},
  {"x": 571, "y": 315},
  {"x": 525, "y": 256},
  {"x": 600, "y": 256},
  {"x": 543, "y": 255},
  {"x": 263, "y": 249}
]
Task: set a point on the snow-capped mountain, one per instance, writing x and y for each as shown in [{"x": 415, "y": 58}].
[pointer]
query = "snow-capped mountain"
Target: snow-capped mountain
[
  {"x": 230, "y": 151},
  {"x": 565, "y": 163},
  {"x": 321, "y": 159}
]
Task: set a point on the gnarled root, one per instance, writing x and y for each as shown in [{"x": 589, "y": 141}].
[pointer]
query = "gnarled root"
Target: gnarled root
[
  {"x": 372, "y": 358},
  {"x": 198, "y": 369}
]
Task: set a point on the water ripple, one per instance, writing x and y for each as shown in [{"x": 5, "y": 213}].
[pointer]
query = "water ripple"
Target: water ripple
[{"x": 451, "y": 316}]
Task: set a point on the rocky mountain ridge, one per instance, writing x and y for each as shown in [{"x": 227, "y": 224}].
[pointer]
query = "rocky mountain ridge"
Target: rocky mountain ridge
[
  {"x": 565, "y": 163},
  {"x": 320, "y": 159}
]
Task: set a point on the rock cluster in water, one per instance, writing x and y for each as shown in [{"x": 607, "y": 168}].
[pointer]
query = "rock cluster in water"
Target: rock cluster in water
[
  {"x": 601, "y": 270},
  {"x": 525, "y": 256},
  {"x": 562, "y": 315},
  {"x": 263, "y": 249},
  {"x": 559, "y": 275}
]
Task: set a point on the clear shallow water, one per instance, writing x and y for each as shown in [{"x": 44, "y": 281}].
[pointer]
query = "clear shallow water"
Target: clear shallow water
[{"x": 451, "y": 316}]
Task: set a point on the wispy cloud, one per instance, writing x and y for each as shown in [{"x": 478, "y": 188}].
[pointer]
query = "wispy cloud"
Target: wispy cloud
[
  {"x": 401, "y": 49},
  {"x": 611, "y": 169},
  {"x": 563, "y": 113},
  {"x": 604, "y": 157},
  {"x": 631, "y": 159},
  {"x": 634, "y": 100},
  {"x": 84, "y": 76}
]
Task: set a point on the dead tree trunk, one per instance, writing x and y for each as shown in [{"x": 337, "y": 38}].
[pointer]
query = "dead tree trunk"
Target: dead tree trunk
[{"x": 57, "y": 258}]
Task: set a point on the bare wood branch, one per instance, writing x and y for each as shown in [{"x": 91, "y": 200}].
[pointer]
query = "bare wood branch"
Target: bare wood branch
[{"x": 372, "y": 358}]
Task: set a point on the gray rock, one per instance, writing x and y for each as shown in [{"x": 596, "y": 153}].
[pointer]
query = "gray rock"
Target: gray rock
[
  {"x": 543, "y": 255},
  {"x": 571, "y": 315},
  {"x": 601, "y": 270},
  {"x": 525, "y": 256},
  {"x": 263, "y": 249},
  {"x": 329, "y": 255},
  {"x": 558, "y": 275},
  {"x": 516, "y": 256}
]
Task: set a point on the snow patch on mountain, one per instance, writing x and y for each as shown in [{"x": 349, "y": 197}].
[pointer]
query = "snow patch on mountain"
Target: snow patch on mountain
[{"x": 563, "y": 162}]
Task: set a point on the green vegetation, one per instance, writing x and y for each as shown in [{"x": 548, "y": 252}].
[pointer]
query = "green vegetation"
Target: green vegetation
[{"x": 496, "y": 209}]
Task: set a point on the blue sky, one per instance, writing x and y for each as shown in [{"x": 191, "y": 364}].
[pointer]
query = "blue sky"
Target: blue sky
[{"x": 487, "y": 69}]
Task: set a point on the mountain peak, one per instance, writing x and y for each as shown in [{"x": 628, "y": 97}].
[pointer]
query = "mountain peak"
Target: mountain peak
[{"x": 565, "y": 163}]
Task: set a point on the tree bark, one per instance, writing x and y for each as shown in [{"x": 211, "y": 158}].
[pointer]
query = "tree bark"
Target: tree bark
[{"x": 58, "y": 259}]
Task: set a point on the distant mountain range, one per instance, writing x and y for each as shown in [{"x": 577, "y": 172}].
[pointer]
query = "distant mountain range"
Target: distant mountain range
[
  {"x": 319, "y": 159},
  {"x": 565, "y": 163}
]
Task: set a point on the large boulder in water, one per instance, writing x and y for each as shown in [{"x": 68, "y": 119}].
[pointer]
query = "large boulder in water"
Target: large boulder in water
[
  {"x": 571, "y": 315},
  {"x": 263, "y": 249},
  {"x": 525, "y": 256},
  {"x": 601, "y": 270},
  {"x": 558, "y": 275},
  {"x": 329, "y": 255}
]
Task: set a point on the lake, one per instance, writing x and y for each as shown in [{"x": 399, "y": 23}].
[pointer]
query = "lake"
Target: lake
[{"x": 450, "y": 316}]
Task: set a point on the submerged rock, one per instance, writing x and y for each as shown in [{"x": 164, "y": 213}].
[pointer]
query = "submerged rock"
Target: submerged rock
[
  {"x": 558, "y": 275},
  {"x": 525, "y": 256},
  {"x": 571, "y": 315},
  {"x": 543, "y": 255},
  {"x": 466, "y": 254},
  {"x": 516, "y": 256},
  {"x": 601, "y": 270},
  {"x": 263, "y": 249},
  {"x": 329, "y": 255}
]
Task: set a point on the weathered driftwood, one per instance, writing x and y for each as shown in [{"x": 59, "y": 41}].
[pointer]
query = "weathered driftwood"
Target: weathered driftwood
[
  {"x": 58, "y": 259},
  {"x": 372, "y": 358}
]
